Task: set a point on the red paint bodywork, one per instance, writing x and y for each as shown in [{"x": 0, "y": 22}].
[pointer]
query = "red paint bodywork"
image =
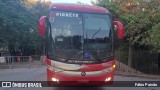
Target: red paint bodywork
[
  {"x": 97, "y": 67},
  {"x": 80, "y": 80},
  {"x": 41, "y": 25},
  {"x": 78, "y": 7},
  {"x": 88, "y": 67},
  {"x": 74, "y": 80},
  {"x": 120, "y": 29}
]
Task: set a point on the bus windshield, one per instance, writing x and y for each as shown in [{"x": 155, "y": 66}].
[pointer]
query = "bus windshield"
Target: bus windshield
[{"x": 76, "y": 36}]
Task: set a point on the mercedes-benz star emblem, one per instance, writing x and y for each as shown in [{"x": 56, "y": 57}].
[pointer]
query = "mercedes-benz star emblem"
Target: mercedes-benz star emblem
[{"x": 83, "y": 74}]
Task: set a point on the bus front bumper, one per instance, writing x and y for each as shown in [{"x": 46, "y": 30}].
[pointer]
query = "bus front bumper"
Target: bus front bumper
[{"x": 69, "y": 80}]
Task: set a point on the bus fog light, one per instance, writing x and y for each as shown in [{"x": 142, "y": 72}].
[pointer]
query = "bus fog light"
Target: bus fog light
[
  {"x": 57, "y": 81},
  {"x": 108, "y": 79}
]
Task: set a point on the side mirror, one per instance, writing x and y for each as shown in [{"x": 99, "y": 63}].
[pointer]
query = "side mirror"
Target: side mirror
[
  {"x": 41, "y": 25},
  {"x": 120, "y": 28}
]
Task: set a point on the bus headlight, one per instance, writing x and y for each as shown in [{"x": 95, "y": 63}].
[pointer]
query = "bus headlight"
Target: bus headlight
[
  {"x": 107, "y": 79},
  {"x": 55, "y": 80}
]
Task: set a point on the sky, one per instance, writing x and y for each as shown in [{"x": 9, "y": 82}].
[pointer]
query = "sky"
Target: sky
[{"x": 71, "y": 1}]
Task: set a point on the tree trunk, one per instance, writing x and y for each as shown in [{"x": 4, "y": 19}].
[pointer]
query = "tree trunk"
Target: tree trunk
[
  {"x": 130, "y": 56},
  {"x": 159, "y": 63},
  {"x": 130, "y": 53}
]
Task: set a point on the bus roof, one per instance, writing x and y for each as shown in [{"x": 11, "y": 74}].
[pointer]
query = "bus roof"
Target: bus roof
[{"x": 78, "y": 7}]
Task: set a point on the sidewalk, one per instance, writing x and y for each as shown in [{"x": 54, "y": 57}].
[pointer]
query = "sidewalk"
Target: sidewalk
[
  {"x": 148, "y": 76},
  {"x": 21, "y": 65}
]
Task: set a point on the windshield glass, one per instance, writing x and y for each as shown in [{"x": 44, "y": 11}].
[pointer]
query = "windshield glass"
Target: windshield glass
[
  {"x": 78, "y": 36},
  {"x": 98, "y": 38}
]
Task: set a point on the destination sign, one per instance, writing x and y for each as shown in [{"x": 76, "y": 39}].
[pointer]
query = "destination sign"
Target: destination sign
[{"x": 66, "y": 14}]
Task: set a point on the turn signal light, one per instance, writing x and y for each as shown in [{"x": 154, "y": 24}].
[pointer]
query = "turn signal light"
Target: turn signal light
[{"x": 114, "y": 66}]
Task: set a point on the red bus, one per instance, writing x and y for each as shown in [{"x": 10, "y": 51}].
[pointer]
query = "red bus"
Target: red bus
[{"x": 79, "y": 43}]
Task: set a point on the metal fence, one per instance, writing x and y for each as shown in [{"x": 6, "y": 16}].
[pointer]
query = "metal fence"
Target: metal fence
[
  {"x": 142, "y": 62},
  {"x": 20, "y": 61},
  {"x": 123, "y": 68}
]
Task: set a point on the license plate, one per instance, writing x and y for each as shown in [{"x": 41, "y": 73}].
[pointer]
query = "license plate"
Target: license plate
[{"x": 83, "y": 81}]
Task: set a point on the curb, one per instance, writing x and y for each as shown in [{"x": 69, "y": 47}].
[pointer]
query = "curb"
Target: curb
[{"x": 148, "y": 76}]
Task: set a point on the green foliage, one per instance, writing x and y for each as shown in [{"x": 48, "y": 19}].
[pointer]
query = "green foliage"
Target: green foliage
[
  {"x": 154, "y": 37},
  {"x": 111, "y": 6},
  {"x": 140, "y": 17}
]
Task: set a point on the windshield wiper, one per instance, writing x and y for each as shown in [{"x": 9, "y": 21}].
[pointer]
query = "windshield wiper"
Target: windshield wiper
[{"x": 96, "y": 32}]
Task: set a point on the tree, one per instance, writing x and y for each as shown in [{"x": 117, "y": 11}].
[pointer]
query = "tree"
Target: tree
[
  {"x": 18, "y": 28},
  {"x": 140, "y": 18}
]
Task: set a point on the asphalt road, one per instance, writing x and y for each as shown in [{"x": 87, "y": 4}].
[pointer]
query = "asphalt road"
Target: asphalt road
[{"x": 39, "y": 74}]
